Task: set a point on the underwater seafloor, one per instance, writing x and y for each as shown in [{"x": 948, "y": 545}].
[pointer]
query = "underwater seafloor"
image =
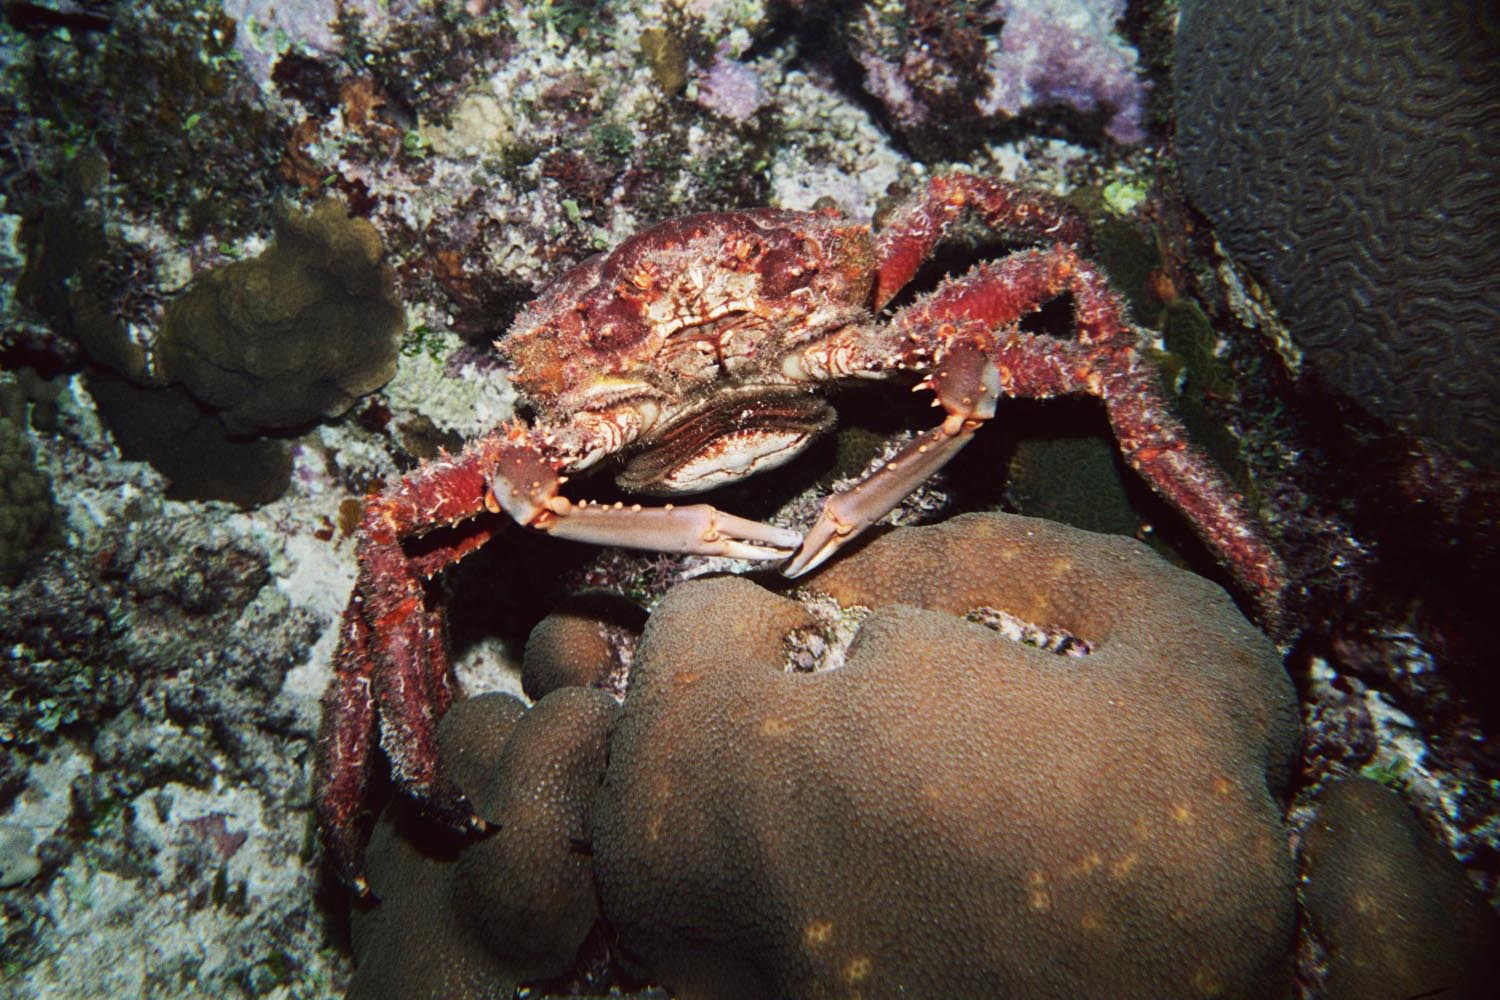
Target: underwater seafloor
[{"x": 254, "y": 257}]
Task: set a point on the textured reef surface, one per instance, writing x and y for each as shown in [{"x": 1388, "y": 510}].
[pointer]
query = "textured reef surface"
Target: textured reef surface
[
  {"x": 253, "y": 259},
  {"x": 1343, "y": 151}
]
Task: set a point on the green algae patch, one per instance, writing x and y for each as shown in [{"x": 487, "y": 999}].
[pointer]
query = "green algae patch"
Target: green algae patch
[
  {"x": 294, "y": 335},
  {"x": 25, "y": 501}
]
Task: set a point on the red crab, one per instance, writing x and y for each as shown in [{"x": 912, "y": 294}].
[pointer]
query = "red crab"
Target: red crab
[{"x": 696, "y": 353}]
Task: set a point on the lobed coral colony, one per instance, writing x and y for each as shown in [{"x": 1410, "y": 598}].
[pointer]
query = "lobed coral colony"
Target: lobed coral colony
[{"x": 940, "y": 809}]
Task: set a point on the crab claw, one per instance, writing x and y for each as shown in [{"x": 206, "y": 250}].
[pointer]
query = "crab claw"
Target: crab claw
[
  {"x": 968, "y": 386},
  {"x": 525, "y": 485},
  {"x": 697, "y": 529},
  {"x": 847, "y": 514}
]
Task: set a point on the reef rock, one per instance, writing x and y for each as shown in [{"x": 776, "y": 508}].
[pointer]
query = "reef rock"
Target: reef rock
[
  {"x": 189, "y": 445},
  {"x": 25, "y": 501},
  {"x": 946, "y": 74}
]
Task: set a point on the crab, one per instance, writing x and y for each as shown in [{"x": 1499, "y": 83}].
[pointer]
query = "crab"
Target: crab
[{"x": 698, "y": 352}]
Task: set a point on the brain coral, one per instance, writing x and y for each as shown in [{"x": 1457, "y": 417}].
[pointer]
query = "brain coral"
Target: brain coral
[
  {"x": 1390, "y": 905},
  {"x": 1345, "y": 151},
  {"x": 296, "y": 334},
  {"x": 470, "y": 922},
  {"x": 952, "y": 812}
]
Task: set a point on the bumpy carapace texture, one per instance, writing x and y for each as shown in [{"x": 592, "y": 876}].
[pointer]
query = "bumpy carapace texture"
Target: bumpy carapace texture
[
  {"x": 951, "y": 812},
  {"x": 471, "y": 921},
  {"x": 1391, "y": 907},
  {"x": 599, "y": 322}
]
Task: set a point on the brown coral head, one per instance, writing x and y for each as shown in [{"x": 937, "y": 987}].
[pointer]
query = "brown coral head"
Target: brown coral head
[{"x": 953, "y": 812}]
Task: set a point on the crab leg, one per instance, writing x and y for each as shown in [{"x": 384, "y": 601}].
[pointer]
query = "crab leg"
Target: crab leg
[
  {"x": 957, "y": 324},
  {"x": 962, "y": 334},
  {"x": 905, "y": 241},
  {"x": 968, "y": 387},
  {"x": 698, "y": 529},
  {"x": 346, "y": 741},
  {"x": 391, "y": 668},
  {"x": 1103, "y": 362},
  {"x": 846, "y": 514}
]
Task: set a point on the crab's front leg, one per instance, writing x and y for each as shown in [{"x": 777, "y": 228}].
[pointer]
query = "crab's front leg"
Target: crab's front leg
[
  {"x": 967, "y": 387},
  {"x": 391, "y": 669},
  {"x": 952, "y": 336}
]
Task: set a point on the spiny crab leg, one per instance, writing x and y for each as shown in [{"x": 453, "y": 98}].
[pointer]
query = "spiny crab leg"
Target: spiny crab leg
[
  {"x": 1103, "y": 361},
  {"x": 346, "y": 740},
  {"x": 391, "y": 670},
  {"x": 963, "y": 335},
  {"x": 906, "y": 240}
]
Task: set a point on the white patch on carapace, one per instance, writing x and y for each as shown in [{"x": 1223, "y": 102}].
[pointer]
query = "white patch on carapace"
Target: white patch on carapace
[
  {"x": 735, "y": 456},
  {"x": 700, "y": 297}
]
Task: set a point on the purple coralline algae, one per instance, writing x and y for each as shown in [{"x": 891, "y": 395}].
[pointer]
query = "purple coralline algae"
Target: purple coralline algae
[
  {"x": 731, "y": 89},
  {"x": 268, "y": 28},
  {"x": 945, "y": 74},
  {"x": 1065, "y": 52}
]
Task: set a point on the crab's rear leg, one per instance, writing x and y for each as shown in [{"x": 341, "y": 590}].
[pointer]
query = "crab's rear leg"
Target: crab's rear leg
[
  {"x": 963, "y": 335},
  {"x": 391, "y": 672},
  {"x": 907, "y": 237}
]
